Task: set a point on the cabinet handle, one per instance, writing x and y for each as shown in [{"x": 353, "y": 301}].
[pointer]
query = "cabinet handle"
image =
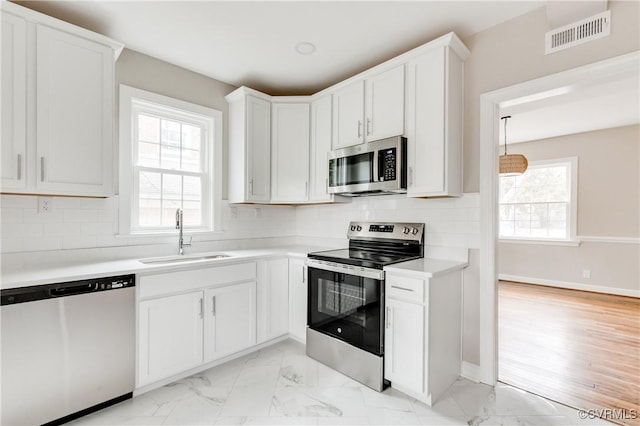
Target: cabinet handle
[
  {"x": 326, "y": 182},
  {"x": 41, "y": 169},
  {"x": 388, "y": 317},
  {"x": 306, "y": 189},
  {"x": 304, "y": 274},
  {"x": 201, "y": 307},
  {"x": 368, "y": 126},
  {"x": 410, "y": 176},
  {"x": 251, "y": 187},
  {"x": 19, "y": 171},
  {"x": 402, "y": 288},
  {"x": 359, "y": 129},
  {"x": 213, "y": 306}
]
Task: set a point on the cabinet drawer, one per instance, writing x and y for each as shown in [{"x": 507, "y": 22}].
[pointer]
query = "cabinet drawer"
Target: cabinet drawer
[
  {"x": 404, "y": 288},
  {"x": 171, "y": 282}
]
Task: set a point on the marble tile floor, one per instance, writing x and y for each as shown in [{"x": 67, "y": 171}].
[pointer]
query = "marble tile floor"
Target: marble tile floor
[{"x": 280, "y": 385}]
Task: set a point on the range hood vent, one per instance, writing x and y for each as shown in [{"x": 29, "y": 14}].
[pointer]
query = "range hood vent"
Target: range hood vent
[{"x": 583, "y": 31}]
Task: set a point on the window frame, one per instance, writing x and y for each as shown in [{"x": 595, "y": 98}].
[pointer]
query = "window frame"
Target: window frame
[
  {"x": 132, "y": 102},
  {"x": 572, "y": 214}
]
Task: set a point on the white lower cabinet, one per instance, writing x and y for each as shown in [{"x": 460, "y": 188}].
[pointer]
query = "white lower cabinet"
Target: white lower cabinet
[
  {"x": 404, "y": 349},
  {"x": 273, "y": 298},
  {"x": 189, "y": 318},
  {"x": 229, "y": 319},
  {"x": 298, "y": 299},
  {"x": 422, "y": 344},
  {"x": 170, "y": 335}
]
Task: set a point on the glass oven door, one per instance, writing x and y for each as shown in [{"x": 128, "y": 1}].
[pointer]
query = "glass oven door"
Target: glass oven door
[{"x": 347, "y": 307}]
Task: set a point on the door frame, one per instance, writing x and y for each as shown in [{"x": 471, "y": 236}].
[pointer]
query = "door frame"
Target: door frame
[{"x": 490, "y": 104}]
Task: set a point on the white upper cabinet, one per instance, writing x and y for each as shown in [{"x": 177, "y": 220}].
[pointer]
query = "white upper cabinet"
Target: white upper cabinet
[
  {"x": 434, "y": 123},
  {"x": 289, "y": 152},
  {"x": 14, "y": 96},
  {"x": 249, "y": 146},
  {"x": 348, "y": 115},
  {"x": 384, "y": 105},
  {"x": 74, "y": 101},
  {"x": 57, "y": 106},
  {"x": 369, "y": 109},
  {"x": 319, "y": 148}
]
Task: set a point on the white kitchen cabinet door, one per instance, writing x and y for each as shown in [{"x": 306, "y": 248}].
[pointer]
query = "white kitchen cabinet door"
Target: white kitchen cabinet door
[
  {"x": 404, "y": 356},
  {"x": 384, "y": 105},
  {"x": 258, "y": 140},
  {"x": 298, "y": 299},
  {"x": 290, "y": 152},
  {"x": 273, "y": 299},
  {"x": 348, "y": 115},
  {"x": 230, "y": 319},
  {"x": 434, "y": 137},
  {"x": 14, "y": 97},
  {"x": 170, "y": 336},
  {"x": 320, "y": 147},
  {"x": 74, "y": 99}
]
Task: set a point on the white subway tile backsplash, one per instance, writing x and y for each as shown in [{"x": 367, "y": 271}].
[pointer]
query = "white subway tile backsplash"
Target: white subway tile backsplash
[
  {"x": 86, "y": 222},
  {"x": 80, "y": 241},
  {"x": 80, "y": 215},
  {"x": 11, "y": 215}
]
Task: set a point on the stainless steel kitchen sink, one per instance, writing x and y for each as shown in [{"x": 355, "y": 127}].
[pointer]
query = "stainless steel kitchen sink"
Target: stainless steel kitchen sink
[{"x": 183, "y": 258}]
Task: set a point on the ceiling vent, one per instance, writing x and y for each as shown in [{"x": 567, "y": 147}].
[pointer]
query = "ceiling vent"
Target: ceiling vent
[{"x": 585, "y": 30}]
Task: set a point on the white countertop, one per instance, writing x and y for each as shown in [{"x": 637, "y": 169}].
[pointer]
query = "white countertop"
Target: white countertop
[
  {"x": 426, "y": 267},
  {"x": 19, "y": 278},
  {"x": 87, "y": 270}
]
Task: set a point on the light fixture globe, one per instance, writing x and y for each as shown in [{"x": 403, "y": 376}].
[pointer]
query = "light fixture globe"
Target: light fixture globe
[{"x": 511, "y": 164}]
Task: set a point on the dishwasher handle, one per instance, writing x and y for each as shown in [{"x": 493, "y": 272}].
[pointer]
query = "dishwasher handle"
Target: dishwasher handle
[{"x": 71, "y": 290}]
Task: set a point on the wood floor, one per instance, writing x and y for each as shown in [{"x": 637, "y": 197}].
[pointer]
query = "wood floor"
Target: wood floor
[{"x": 578, "y": 348}]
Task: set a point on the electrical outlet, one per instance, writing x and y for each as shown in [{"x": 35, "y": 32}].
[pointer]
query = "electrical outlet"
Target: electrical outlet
[
  {"x": 45, "y": 205},
  {"x": 234, "y": 212},
  {"x": 586, "y": 273},
  {"x": 258, "y": 212}
]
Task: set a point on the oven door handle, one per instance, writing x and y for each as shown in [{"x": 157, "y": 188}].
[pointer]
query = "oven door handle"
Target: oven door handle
[{"x": 340, "y": 268}]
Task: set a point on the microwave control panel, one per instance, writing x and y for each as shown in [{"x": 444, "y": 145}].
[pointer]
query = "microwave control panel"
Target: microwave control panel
[{"x": 387, "y": 164}]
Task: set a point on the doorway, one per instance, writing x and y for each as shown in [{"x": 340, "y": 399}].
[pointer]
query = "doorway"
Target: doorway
[{"x": 491, "y": 105}]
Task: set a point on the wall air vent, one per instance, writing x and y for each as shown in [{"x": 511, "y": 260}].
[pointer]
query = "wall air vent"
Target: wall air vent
[{"x": 592, "y": 28}]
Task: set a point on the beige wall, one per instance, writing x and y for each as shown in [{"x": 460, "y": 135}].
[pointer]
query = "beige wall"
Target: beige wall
[
  {"x": 151, "y": 74},
  {"x": 608, "y": 206},
  {"x": 513, "y": 52}
]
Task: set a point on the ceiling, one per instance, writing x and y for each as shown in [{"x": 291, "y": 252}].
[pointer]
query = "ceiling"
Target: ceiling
[
  {"x": 576, "y": 109},
  {"x": 253, "y": 43}
]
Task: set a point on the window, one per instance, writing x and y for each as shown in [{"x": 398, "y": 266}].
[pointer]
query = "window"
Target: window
[
  {"x": 541, "y": 203},
  {"x": 170, "y": 158}
]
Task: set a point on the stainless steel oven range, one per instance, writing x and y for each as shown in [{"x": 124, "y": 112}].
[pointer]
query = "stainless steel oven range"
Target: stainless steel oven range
[{"x": 346, "y": 308}]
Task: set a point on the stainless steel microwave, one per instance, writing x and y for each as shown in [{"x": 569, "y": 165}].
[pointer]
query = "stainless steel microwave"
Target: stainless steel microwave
[{"x": 374, "y": 168}]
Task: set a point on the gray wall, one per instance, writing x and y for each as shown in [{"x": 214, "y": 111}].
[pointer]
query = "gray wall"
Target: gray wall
[{"x": 151, "y": 74}]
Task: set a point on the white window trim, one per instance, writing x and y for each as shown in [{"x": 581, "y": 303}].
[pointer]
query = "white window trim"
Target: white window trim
[
  {"x": 213, "y": 143},
  {"x": 572, "y": 239}
]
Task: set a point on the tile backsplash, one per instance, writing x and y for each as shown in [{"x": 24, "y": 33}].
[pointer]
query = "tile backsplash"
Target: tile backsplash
[{"x": 78, "y": 223}]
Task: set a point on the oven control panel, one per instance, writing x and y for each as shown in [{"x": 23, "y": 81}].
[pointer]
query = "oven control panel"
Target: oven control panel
[{"x": 383, "y": 230}]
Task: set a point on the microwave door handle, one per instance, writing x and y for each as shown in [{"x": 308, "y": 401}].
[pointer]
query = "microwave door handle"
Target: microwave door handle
[{"x": 375, "y": 160}]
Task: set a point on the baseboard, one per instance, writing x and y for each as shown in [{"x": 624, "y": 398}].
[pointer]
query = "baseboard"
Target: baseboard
[
  {"x": 470, "y": 371},
  {"x": 570, "y": 285}
]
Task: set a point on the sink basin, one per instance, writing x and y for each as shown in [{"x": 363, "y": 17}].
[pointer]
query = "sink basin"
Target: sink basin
[{"x": 183, "y": 258}]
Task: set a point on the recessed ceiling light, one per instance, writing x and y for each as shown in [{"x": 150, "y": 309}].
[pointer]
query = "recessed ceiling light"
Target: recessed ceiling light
[{"x": 305, "y": 48}]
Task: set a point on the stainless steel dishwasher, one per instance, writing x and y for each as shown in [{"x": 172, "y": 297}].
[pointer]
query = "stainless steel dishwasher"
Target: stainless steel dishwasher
[{"x": 67, "y": 349}]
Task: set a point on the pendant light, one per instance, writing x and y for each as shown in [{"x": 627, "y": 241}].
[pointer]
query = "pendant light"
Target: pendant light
[{"x": 511, "y": 164}]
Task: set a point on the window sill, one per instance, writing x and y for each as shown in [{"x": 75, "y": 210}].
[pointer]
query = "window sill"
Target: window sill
[{"x": 569, "y": 243}]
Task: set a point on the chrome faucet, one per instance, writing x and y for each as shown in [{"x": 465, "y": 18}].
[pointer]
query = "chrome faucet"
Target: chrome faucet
[{"x": 179, "y": 225}]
